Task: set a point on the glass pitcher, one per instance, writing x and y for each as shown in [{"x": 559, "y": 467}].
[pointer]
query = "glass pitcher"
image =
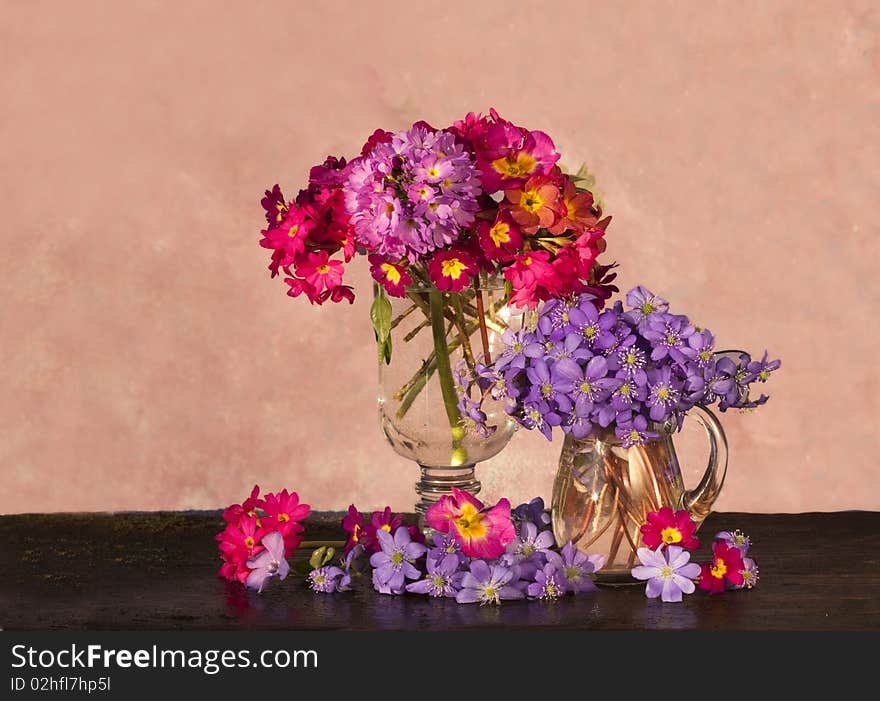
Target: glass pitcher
[{"x": 603, "y": 491}]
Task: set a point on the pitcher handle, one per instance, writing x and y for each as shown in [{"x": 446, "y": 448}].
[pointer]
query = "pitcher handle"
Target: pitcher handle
[{"x": 698, "y": 501}]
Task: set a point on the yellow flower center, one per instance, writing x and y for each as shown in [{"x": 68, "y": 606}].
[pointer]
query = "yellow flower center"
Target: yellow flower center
[
  {"x": 547, "y": 390},
  {"x": 719, "y": 569},
  {"x": 590, "y": 331},
  {"x": 500, "y": 233},
  {"x": 397, "y": 558},
  {"x": 569, "y": 210},
  {"x": 433, "y": 172},
  {"x": 666, "y": 571},
  {"x": 624, "y": 389},
  {"x": 293, "y": 230},
  {"x": 423, "y": 192},
  {"x": 670, "y": 535},
  {"x": 511, "y": 166},
  {"x": 531, "y": 201},
  {"x": 387, "y": 528},
  {"x": 283, "y": 517},
  {"x": 452, "y": 268},
  {"x": 705, "y": 355},
  {"x": 323, "y": 269},
  {"x": 663, "y": 393},
  {"x": 586, "y": 387},
  {"x": 470, "y": 524},
  {"x": 249, "y": 542},
  {"x": 635, "y": 437},
  {"x": 671, "y": 339},
  {"x": 392, "y": 274},
  {"x": 764, "y": 374},
  {"x": 647, "y": 308}
]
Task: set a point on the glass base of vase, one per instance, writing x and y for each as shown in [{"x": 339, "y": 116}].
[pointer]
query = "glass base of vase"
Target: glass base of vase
[{"x": 437, "y": 481}]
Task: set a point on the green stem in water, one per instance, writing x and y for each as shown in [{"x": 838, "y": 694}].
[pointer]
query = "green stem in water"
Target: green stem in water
[{"x": 441, "y": 353}]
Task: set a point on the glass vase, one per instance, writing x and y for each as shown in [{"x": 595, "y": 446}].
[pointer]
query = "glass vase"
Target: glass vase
[
  {"x": 603, "y": 491},
  {"x": 432, "y": 334}
]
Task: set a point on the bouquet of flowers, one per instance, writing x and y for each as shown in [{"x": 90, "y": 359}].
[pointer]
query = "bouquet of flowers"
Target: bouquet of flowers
[
  {"x": 582, "y": 369},
  {"x": 439, "y": 213}
]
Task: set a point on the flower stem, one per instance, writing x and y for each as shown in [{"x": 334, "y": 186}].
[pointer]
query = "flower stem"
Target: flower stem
[
  {"x": 481, "y": 317},
  {"x": 441, "y": 354}
]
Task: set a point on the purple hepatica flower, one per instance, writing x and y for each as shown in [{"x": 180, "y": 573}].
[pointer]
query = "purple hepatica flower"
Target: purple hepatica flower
[
  {"x": 643, "y": 303},
  {"x": 539, "y": 415},
  {"x": 668, "y": 334},
  {"x": 579, "y": 421},
  {"x": 443, "y": 578},
  {"x": 736, "y": 539},
  {"x": 474, "y": 419},
  {"x": 446, "y": 544},
  {"x": 534, "y": 512},
  {"x": 550, "y": 384},
  {"x": 528, "y": 544},
  {"x": 760, "y": 369},
  {"x": 557, "y": 311},
  {"x": 325, "y": 579},
  {"x": 548, "y": 584},
  {"x": 664, "y": 394},
  {"x": 575, "y": 568},
  {"x": 631, "y": 362},
  {"x": 347, "y": 564},
  {"x": 268, "y": 564},
  {"x": 393, "y": 564},
  {"x": 749, "y": 574},
  {"x": 700, "y": 348},
  {"x": 595, "y": 328},
  {"x": 589, "y": 384},
  {"x": 634, "y": 432},
  {"x": 488, "y": 584},
  {"x": 569, "y": 348},
  {"x": 669, "y": 572},
  {"x": 518, "y": 347}
]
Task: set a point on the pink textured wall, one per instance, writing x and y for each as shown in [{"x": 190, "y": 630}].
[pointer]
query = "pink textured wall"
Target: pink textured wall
[{"x": 147, "y": 360}]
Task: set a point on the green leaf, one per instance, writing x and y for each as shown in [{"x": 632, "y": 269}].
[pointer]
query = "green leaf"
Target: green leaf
[
  {"x": 317, "y": 558},
  {"x": 380, "y": 315}
]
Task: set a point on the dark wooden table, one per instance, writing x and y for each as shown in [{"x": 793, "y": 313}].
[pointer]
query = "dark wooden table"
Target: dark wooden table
[{"x": 158, "y": 571}]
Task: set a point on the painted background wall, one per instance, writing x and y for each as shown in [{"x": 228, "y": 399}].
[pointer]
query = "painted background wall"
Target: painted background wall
[{"x": 148, "y": 361}]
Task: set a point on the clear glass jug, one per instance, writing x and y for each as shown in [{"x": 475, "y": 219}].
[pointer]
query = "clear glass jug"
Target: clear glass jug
[{"x": 604, "y": 491}]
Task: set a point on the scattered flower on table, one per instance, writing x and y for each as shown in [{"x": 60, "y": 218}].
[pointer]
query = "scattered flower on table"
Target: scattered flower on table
[
  {"x": 393, "y": 564},
  {"x": 736, "y": 539},
  {"x": 668, "y": 571},
  {"x": 249, "y": 523},
  {"x": 442, "y": 579},
  {"x": 726, "y": 568},
  {"x": 348, "y": 568},
  {"x": 575, "y": 567},
  {"x": 529, "y": 550},
  {"x": 325, "y": 579},
  {"x": 269, "y": 563},
  {"x": 483, "y": 532},
  {"x": 666, "y": 527},
  {"x": 549, "y": 583},
  {"x": 749, "y": 573},
  {"x": 488, "y": 584}
]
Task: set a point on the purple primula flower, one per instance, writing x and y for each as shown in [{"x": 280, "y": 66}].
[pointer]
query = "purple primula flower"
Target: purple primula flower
[
  {"x": 548, "y": 584},
  {"x": 735, "y": 539},
  {"x": 269, "y": 563},
  {"x": 488, "y": 584},
  {"x": 443, "y": 578},
  {"x": 749, "y": 573},
  {"x": 669, "y": 572},
  {"x": 393, "y": 564},
  {"x": 436, "y": 204},
  {"x": 326, "y": 579},
  {"x": 634, "y": 432},
  {"x": 644, "y": 303},
  {"x": 575, "y": 568}
]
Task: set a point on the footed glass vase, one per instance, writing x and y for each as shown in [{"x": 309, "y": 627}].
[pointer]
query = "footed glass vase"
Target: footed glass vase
[
  {"x": 603, "y": 491},
  {"x": 432, "y": 333}
]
